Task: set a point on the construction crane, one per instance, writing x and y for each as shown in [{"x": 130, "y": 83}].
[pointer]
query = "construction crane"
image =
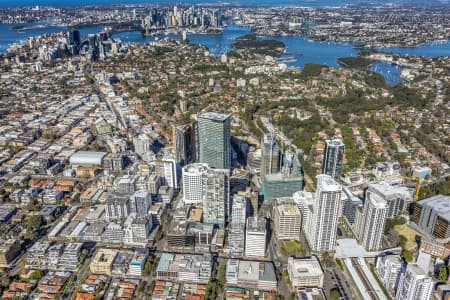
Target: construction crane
[{"x": 419, "y": 185}]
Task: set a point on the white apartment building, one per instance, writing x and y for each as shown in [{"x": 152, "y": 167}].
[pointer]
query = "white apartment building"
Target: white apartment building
[
  {"x": 304, "y": 201},
  {"x": 137, "y": 263},
  {"x": 388, "y": 269},
  {"x": 236, "y": 233},
  {"x": 239, "y": 209},
  {"x": 193, "y": 183},
  {"x": 414, "y": 284},
  {"x": 370, "y": 222},
  {"x": 322, "y": 233},
  {"x": 210, "y": 187},
  {"x": 287, "y": 219},
  {"x": 255, "y": 237}
]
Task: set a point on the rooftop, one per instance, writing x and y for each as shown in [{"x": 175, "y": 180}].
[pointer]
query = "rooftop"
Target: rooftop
[
  {"x": 327, "y": 183},
  {"x": 255, "y": 224},
  {"x": 305, "y": 267},
  {"x": 335, "y": 143},
  {"x": 385, "y": 189},
  {"x": 349, "y": 248},
  {"x": 196, "y": 168},
  {"x": 377, "y": 201},
  {"x": 105, "y": 256},
  {"x": 87, "y": 157},
  {"x": 247, "y": 270},
  {"x": 214, "y": 116},
  {"x": 288, "y": 209},
  {"x": 185, "y": 263}
]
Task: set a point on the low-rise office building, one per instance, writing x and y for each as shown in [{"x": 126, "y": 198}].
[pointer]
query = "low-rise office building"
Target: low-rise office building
[
  {"x": 287, "y": 219},
  {"x": 251, "y": 274},
  {"x": 102, "y": 261},
  {"x": 184, "y": 268},
  {"x": 305, "y": 272}
]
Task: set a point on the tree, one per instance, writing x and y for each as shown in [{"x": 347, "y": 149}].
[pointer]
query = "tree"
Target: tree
[
  {"x": 334, "y": 294},
  {"x": 403, "y": 241},
  {"x": 407, "y": 256},
  {"x": 148, "y": 268},
  {"x": 4, "y": 280},
  {"x": 34, "y": 222},
  {"x": 393, "y": 238},
  {"x": 36, "y": 275},
  {"x": 222, "y": 275},
  {"x": 443, "y": 273},
  {"x": 391, "y": 223},
  {"x": 327, "y": 259}
]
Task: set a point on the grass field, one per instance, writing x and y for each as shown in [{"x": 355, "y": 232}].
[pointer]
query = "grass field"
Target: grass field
[
  {"x": 293, "y": 248},
  {"x": 409, "y": 233}
]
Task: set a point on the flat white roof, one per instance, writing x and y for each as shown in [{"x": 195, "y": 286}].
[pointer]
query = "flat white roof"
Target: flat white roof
[
  {"x": 87, "y": 158},
  {"x": 377, "y": 201},
  {"x": 306, "y": 267},
  {"x": 349, "y": 248},
  {"x": 327, "y": 183}
]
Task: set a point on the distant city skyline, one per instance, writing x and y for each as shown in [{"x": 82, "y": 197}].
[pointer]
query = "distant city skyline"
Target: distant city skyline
[{"x": 16, "y": 3}]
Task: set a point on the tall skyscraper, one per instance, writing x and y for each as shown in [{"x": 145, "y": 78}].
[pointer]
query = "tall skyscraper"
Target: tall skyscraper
[
  {"x": 325, "y": 211},
  {"x": 216, "y": 199},
  {"x": 211, "y": 187},
  {"x": 255, "y": 237},
  {"x": 74, "y": 37},
  {"x": 214, "y": 140},
  {"x": 286, "y": 182},
  {"x": 193, "y": 183},
  {"x": 415, "y": 284},
  {"x": 183, "y": 144},
  {"x": 370, "y": 222},
  {"x": 166, "y": 169},
  {"x": 270, "y": 156},
  {"x": 333, "y": 159},
  {"x": 142, "y": 144}
]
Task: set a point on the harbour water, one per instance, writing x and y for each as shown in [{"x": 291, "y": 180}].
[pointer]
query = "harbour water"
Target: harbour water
[
  {"x": 390, "y": 72},
  {"x": 299, "y": 50},
  {"x": 431, "y": 49}
]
